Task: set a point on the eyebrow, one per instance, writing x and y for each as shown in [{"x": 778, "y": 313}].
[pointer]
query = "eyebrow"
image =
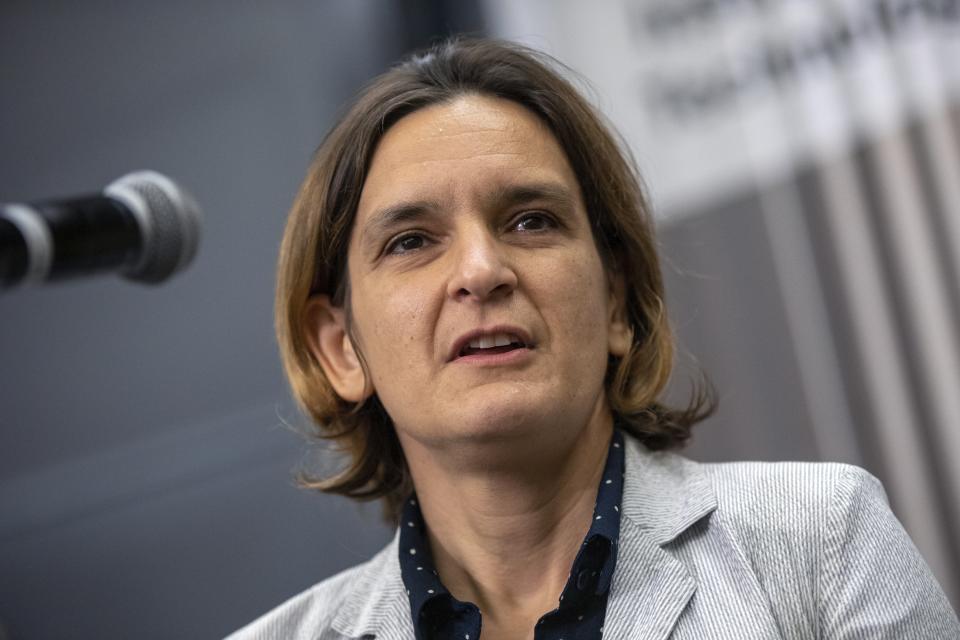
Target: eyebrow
[
  {"x": 501, "y": 196},
  {"x": 516, "y": 194}
]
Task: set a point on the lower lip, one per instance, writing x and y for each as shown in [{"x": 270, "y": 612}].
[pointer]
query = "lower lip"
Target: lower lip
[{"x": 493, "y": 359}]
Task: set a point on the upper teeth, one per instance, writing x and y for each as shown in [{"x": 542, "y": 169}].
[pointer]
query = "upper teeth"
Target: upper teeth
[{"x": 495, "y": 340}]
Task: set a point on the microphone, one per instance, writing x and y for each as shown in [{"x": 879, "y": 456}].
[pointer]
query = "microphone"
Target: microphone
[{"x": 142, "y": 225}]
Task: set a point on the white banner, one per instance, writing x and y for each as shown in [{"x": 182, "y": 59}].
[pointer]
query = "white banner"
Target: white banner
[{"x": 690, "y": 83}]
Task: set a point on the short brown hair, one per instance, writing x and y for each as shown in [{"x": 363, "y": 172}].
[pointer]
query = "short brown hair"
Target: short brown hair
[{"x": 313, "y": 255}]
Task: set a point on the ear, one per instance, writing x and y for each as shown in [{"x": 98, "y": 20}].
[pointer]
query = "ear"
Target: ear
[
  {"x": 619, "y": 332},
  {"x": 327, "y": 338}
]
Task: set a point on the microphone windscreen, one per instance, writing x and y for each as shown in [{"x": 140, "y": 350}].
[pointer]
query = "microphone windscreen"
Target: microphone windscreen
[{"x": 169, "y": 220}]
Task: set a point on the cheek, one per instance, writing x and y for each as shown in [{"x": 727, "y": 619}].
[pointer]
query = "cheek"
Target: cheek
[
  {"x": 573, "y": 301},
  {"x": 390, "y": 322},
  {"x": 577, "y": 288}
]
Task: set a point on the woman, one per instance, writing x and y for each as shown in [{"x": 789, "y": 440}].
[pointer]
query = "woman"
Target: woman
[{"x": 469, "y": 301}]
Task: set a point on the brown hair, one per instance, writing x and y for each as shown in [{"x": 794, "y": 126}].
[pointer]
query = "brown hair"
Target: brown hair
[{"x": 313, "y": 255}]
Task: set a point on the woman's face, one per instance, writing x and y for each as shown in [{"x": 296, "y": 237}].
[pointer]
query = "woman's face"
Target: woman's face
[{"x": 477, "y": 294}]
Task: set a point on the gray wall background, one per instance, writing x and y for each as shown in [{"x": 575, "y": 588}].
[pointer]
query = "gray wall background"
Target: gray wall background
[
  {"x": 145, "y": 440},
  {"x": 145, "y": 468}
]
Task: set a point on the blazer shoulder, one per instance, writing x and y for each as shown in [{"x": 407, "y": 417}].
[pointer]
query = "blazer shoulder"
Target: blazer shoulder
[
  {"x": 789, "y": 492},
  {"x": 780, "y": 518},
  {"x": 784, "y": 515},
  {"x": 828, "y": 552},
  {"x": 309, "y": 614}
]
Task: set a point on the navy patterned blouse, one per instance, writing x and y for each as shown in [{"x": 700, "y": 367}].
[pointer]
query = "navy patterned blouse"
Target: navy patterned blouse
[{"x": 583, "y": 603}]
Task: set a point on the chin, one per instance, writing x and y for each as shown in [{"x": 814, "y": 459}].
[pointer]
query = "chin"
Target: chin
[
  {"x": 498, "y": 422},
  {"x": 525, "y": 415},
  {"x": 518, "y": 416}
]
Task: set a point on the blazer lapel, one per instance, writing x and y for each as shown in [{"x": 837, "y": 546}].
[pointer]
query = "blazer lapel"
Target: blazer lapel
[
  {"x": 650, "y": 590},
  {"x": 663, "y": 495}
]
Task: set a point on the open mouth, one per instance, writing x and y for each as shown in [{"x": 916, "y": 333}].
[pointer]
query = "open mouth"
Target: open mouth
[{"x": 492, "y": 344}]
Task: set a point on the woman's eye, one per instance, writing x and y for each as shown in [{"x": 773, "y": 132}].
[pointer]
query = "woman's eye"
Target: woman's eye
[
  {"x": 406, "y": 243},
  {"x": 533, "y": 222}
]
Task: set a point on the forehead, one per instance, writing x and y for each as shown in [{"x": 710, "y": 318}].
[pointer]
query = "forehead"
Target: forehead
[{"x": 463, "y": 148}]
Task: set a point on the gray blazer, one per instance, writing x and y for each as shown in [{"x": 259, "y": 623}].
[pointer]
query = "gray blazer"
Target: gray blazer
[{"x": 738, "y": 550}]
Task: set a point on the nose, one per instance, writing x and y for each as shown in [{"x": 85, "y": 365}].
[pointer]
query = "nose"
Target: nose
[{"x": 481, "y": 270}]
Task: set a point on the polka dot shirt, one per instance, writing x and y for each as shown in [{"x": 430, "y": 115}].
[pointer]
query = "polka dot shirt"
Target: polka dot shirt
[{"x": 581, "y": 606}]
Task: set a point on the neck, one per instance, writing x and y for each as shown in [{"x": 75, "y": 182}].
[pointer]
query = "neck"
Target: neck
[{"x": 504, "y": 535}]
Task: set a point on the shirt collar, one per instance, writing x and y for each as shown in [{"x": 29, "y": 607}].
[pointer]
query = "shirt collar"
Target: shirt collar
[
  {"x": 420, "y": 579},
  {"x": 595, "y": 562},
  {"x": 605, "y": 527}
]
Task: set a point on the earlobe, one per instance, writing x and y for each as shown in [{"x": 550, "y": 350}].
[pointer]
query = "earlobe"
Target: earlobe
[
  {"x": 620, "y": 338},
  {"x": 619, "y": 331},
  {"x": 328, "y": 340}
]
